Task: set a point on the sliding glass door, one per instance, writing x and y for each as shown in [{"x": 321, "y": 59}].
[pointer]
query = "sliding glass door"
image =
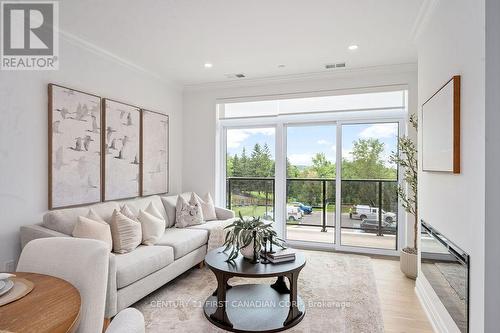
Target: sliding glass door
[
  {"x": 369, "y": 183},
  {"x": 310, "y": 182}
]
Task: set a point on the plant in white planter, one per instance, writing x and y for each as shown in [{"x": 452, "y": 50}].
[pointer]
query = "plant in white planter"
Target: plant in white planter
[
  {"x": 407, "y": 160},
  {"x": 239, "y": 237}
]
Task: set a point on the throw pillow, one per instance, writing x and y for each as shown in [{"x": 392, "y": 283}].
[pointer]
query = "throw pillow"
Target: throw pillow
[
  {"x": 125, "y": 210},
  {"x": 126, "y": 233},
  {"x": 94, "y": 216},
  {"x": 152, "y": 227},
  {"x": 188, "y": 213},
  {"x": 208, "y": 207},
  {"x": 151, "y": 209},
  {"x": 93, "y": 229}
]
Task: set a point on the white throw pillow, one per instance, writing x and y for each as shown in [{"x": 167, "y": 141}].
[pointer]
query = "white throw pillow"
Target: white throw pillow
[
  {"x": 126, "y": 233},
  {"x": 151, "y": 209},
  {"x": 152, "y": 227},
  {"x": 92, "y": 229},
  {"x": 188, "y": 213},
  {"x": 208, "y": 207}
]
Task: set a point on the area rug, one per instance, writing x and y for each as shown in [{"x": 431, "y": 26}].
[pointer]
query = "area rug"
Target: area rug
[{"x": 339, "y": 292}]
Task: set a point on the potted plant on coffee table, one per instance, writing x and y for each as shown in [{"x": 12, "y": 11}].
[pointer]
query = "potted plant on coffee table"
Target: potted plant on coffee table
[
  {"x": 240, "y": 237},
  {"x": 407, "y": 160}
]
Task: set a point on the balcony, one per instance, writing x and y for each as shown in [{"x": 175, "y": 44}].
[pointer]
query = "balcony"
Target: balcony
[{"x": 368, "y": 208}]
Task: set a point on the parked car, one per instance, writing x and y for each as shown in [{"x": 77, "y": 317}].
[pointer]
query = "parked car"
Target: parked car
[
  {"x": 363, "y": 212},
  {"x": 293, "y": 213},
  {"x": 372, "y": 225},
  {"x": 306, "y": 210}
]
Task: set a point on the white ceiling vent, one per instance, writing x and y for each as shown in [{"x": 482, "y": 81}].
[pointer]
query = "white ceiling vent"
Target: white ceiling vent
[
  {"x": 235, "y": 76},
  {"x": 337, "y": 65}
]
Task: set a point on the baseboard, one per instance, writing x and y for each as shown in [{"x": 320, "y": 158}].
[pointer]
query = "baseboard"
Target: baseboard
[{"x": 437, "y": 314}]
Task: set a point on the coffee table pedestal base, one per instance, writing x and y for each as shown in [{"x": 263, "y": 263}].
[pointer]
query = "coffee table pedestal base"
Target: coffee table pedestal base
[{"x": 255, "y": 308}]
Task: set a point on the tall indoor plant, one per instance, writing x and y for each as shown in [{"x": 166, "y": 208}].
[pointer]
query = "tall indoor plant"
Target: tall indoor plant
[{"x": 407, "y": 159}]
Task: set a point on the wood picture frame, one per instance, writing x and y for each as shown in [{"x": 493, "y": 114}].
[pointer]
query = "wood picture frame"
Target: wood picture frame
[
  {"x": 155, "y": 153},
  {"x": 74, "y": 147},
  {"x": 441, "y": 129},
  {"x": 121, "y": 147}
]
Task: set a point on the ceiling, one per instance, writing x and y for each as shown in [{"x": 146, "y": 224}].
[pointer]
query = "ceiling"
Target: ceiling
[{"x": 174, "y": 39}]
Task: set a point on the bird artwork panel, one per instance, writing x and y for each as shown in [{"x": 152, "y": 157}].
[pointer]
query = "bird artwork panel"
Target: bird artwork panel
[
  {"x": 155, "y": 153},
  {"x": 74, "y": 147},
  {"x": 122, "y": 130}
]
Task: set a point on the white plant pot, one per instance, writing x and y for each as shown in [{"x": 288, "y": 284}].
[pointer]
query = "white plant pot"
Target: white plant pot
[
  {"x": 247, "y": 251},
  {"x": 408, "y": 264}
]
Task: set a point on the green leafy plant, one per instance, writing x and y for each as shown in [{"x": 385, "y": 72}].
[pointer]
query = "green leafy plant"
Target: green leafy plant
[
  {"x": 240, "y": 235},
  {"x": 407, "y": 160}
]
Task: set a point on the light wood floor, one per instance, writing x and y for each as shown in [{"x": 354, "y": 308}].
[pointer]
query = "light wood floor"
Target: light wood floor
[{"x": 401, "y": 308}]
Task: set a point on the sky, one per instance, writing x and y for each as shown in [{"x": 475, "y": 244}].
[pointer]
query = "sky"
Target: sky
[{"x": 303, "y": 142}]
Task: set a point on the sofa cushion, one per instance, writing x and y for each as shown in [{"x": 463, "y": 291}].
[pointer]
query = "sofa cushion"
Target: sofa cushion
[
  {"x": 183, "y": 240},
  {"x": 64, "y": 220},
  {"x": 141, "y": 262}
]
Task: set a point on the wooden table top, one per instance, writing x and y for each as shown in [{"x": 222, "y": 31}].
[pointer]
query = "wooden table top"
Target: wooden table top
[{"x": 52, "y": 306}]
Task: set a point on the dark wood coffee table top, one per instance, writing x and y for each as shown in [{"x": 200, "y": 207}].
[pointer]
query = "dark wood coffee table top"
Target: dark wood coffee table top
[{"x": 241, "y": 267}]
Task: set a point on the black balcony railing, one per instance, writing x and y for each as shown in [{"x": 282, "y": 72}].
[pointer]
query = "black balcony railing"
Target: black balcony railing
[{"x": 367, "y": 205}]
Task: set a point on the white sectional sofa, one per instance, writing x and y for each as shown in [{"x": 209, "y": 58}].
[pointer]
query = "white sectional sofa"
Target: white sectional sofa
[{"x": 136, "y": 274}]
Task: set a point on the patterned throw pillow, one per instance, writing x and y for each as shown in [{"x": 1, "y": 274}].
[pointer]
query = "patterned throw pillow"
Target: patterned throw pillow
[
  {"x": 208, "y": 207},
  {"x": 188, "y": 213}
]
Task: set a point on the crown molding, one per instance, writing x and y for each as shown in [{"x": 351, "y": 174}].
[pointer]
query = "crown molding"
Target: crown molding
[
  {"x": 344, "y": 73},
  {"x": 89, "y": 46},
  {"x": 423, "y": 16}
]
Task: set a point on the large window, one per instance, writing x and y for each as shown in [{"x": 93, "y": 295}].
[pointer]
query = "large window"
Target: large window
[
  {"x": 319, "y": 167},
  {"x": 250, "y": 168}
]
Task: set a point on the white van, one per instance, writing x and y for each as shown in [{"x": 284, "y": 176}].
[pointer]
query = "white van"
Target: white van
[{"x": 363, "y": 212}]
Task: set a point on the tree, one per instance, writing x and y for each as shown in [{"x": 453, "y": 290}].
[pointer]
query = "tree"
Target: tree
[
  {"x": 367, "y": 162},
  {"x": 322, "y": 167},
  {"x": 245, "y": 170},
  {"x": 230, "y": 165}
]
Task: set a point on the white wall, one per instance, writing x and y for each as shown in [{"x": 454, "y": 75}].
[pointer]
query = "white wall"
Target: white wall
[
  {"x": 23, "y": 129},
  {"x": 199, "y": 164},
  {"x": 492, "y": 227},
  {"x": 453, "y": 42}
]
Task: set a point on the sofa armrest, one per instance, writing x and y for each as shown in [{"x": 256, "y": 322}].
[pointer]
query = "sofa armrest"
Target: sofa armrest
[
  {"x": 34, "y": 231},
  {"x": 223, "y": 213},
  {"x": 111, "y": 292}
]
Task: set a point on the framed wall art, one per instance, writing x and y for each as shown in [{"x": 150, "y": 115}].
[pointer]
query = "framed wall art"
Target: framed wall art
[
  {"x": 74, "y": 147},
  {"x": 121, "y": 150},
  {"x": 441, "y": 129},
  {"x": 154, "y": 153}
]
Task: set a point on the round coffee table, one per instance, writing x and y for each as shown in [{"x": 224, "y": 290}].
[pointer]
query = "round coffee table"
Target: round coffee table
[{"x": 254, "y": 307}]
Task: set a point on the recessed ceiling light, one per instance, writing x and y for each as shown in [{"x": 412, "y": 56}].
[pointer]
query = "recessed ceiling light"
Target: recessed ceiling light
[
  {"x": 353, "y": 47},
  {"x": 281, "y": 66},
  {"x": 208, "y": 65}
]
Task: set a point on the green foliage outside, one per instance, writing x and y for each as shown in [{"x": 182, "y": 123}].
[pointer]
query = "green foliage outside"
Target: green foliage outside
[{"x": 366, "y": 163}]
